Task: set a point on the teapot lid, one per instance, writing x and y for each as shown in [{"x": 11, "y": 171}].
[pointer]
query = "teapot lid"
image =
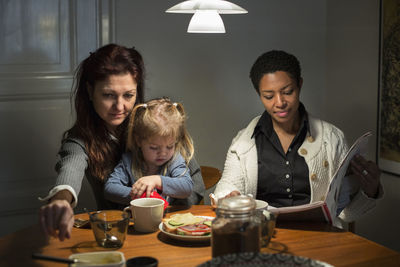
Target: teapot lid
[{"x": 237, "y": 204}]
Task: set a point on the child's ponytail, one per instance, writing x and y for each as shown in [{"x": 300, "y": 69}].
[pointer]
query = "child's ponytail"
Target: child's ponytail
[
  {"x": 185, "y": 142},
  {"x": 130, "y": 142}
]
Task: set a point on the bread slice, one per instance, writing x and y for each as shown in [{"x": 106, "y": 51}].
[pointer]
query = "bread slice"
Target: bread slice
[{"x": 180, "y": 219}]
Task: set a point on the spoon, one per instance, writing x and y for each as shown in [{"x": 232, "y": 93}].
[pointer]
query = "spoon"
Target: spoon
[
  {"x": 85, "y": 209},
  {"x": 56, "y": 259},
  {"x": 112, "y": 238}
]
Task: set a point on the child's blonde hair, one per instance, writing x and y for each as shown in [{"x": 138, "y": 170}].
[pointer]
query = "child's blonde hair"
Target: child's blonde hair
[{"x": 157, "y": 117}]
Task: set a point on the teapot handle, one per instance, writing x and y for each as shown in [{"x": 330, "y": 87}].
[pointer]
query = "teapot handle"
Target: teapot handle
[{"x": 268, "y": 221}]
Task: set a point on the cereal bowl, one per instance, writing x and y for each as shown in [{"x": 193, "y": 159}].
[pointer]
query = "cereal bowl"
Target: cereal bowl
[
  {"x": 261, "y": 204},
  {"x": 99, "y": 259}
]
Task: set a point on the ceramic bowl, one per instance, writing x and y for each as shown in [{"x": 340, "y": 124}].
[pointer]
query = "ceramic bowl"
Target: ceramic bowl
[
  {"x": 260, "y": 204},
  {"x": 99, "y": 259}
]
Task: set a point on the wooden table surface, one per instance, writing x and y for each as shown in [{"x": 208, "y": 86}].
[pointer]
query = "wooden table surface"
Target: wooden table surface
[{"x": 321, "y": 242}]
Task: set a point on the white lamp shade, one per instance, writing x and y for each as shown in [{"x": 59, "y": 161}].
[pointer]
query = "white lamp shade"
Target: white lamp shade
[
  {"x": 206, "y": 21},
  {"x": 222, "y": 6}
]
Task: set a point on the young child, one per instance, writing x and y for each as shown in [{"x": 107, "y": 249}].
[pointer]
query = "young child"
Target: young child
[{"x": 158, "y": 151}]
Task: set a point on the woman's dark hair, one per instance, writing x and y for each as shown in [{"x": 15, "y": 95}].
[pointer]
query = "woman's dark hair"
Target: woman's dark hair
[
  {"x": 112, "y": 59},
  {"x": 274, "y": 61}
]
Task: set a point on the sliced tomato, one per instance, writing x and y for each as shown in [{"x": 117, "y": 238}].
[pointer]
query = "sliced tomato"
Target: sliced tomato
[{"x": 194, "y": 229}]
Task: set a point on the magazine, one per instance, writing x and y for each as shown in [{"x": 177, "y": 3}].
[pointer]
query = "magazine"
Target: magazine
[{"x": 325, "y": 210}]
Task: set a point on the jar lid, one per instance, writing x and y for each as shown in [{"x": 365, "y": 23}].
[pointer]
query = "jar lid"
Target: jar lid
[{"x": 237, "y": 204}]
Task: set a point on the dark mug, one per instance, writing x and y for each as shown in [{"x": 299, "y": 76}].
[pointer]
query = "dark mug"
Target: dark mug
[{"x": 142, "y": 262}]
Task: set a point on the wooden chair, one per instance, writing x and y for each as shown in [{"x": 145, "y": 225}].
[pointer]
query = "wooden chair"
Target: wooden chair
[
  {"x": 211, "y": 176},
  {"x": 351, "y": 227}
]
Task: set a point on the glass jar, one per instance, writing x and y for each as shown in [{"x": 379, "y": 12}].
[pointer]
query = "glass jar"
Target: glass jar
[{"x": 236, "y": 227}]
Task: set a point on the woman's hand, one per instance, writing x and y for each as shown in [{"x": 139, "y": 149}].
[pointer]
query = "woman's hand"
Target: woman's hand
[
  {"x": 232, "y": 194},
  {"x": 57, "y": 219},
  {"x": 368, "y": 173},
  {"x": 146, "y": 184},
  {"x": 214, "y": 201}
]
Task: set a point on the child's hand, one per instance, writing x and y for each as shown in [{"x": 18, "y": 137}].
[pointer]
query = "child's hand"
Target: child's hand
[{"x": 146, "y": 184}]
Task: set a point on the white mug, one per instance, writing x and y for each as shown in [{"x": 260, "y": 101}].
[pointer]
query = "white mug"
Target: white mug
[
  {"x": 260, "y": 204},
  {"x": 147, "y": 213}
]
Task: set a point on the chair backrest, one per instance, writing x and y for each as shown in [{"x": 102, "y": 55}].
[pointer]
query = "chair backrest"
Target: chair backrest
[
  {"x": 351, "y": 227},
  {"x": 210, "y": 175}
]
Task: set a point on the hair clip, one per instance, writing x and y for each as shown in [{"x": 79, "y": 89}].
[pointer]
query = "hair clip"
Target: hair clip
[
  {"x": 175, "y": 104},
  {"x": 145, "y": 105}
]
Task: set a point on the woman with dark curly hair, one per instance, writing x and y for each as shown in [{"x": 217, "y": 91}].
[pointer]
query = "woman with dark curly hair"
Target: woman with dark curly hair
[
  {"x": 286, "y": 156},
  {"x": 108, "y": 84}
]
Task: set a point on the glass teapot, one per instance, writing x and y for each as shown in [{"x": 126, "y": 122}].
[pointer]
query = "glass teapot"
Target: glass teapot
[{"x": 236, "y": 227}]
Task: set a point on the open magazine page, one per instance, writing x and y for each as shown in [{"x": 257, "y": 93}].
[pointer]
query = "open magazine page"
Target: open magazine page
[
  {"x": 325, "y": 210},
  {"x": 313, "y": 212},
  {"x": 332, "y": 198}
]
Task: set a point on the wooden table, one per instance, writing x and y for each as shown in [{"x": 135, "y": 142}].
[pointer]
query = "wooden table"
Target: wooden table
[{"x": 321, "y": 242}]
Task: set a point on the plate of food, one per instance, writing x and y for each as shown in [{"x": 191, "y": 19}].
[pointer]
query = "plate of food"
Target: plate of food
[{"x": 187, "y": 227}]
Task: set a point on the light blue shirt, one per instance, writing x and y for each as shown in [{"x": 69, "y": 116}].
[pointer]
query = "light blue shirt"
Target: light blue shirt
[{"x": 176, "y": 183}]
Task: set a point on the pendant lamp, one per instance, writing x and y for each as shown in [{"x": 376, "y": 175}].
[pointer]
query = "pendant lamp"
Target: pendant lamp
[
  {"x": 206, "y": 18},
  {"x": 206, "y": 21}
]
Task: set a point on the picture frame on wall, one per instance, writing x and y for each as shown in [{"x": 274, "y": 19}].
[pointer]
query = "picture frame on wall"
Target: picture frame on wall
[{"x": 388, "y": 143}]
